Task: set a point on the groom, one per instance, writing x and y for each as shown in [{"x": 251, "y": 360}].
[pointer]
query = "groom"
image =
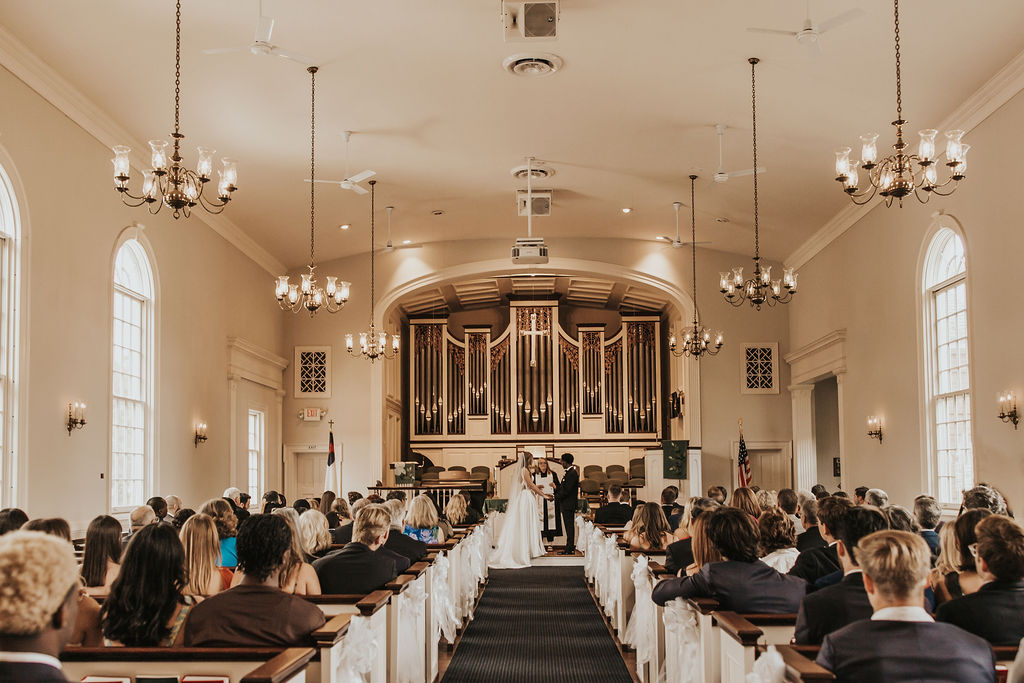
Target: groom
[{"x": 565, "y": 500}]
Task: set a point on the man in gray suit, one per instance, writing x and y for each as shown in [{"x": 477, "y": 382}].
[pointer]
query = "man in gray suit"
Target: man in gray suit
[{"x": 888, "y": 646}]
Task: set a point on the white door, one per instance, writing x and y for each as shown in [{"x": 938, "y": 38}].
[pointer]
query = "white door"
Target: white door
[
  {"x": 310, "y": 470},
  {"x": 772, "y": 469}
]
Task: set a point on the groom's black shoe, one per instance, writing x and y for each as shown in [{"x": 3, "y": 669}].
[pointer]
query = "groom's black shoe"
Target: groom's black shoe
[{"x": 568, "y": 551}]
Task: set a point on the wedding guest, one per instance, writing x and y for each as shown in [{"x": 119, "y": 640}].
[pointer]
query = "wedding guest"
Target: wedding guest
[
  {"x": 159, "y": 506},
  {"x": 778, "y": 540},
  {"x": 927, "y": 512},
  {"x": 888, "y": 646},
  {"x": 341, "y": 512},
  {"x": 102, "y": 556},
  {"x": 767, "y": 500},
  {"x": 858, "y": 495},
  {"x": 11, "y": 519},
  {"x": 984, "y": 497},
  {"x": 669, "y": 495},
  {"x": 900, "y": 519},
  {"x": 55, "y": 526},
  {"x": 650, "y": 530},
  {"x": 815, "y": 563},
  {"x": 398, "y": 542},
  {"x": 614, "y": 511},
  {"x": 271, "y": 501},
  {"x": 456, "y": 511},
  {"x": 182, "y": 517},
  {"x": 876, "y": 497},
  {"x": 343, "y": 534},
  {"x": 811, "y": 537},
  {"x": 717, "y": 494},
  {"x": 833, "y": 607},
  {"x": 395, "y": 494},
  {"x": 202, "y": 555},
  {"x": 789, "y": 502},
  {"x": 353, "y": 496},
  {"x": 996, "y": 611},
  {"x": 296, "y": 575},
  {"x": 819, "y": 491},
  {"x": 472, "y": 514},
  {"x": 314, "y": 534},
  {"x": 964, "y": 579},
  {"x": 173, "y": 506},
  {"x": 421, "y": 521},
  {"x": 256, "y": 612},
  {"x": 704, "y": 551},
  {"x": 233, "y": 497},
  {"x": 146, "y": 606},
  {"x": 358, "y": 567},
  {"x": 39, "y": 577},
  {"x": 681, "y": 554},
  {"x": 141, "y": 517},
  {"x": 327, "y": 508},
  {"x": 227, "y": 524},
  {"x": 745, "y": 499},
  {"x": 740, "y": 582}
]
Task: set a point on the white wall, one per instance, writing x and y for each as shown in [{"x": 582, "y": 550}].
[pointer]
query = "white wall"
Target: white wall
[
  {"x": 867, "y": 282},
  {"x": 208, "y": 291},
  {"x": 766, "y": 418}
]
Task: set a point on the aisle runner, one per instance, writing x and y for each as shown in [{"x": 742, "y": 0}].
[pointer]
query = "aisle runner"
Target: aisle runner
[{"x": 537, "y": 624}]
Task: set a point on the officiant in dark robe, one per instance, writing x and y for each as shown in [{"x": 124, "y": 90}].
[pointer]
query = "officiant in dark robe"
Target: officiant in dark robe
[{"x": 545, "y": 478}]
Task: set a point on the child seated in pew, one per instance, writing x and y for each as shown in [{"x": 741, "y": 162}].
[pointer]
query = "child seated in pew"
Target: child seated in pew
[
  {"x": 41, "y": 591},
  {"x": 256, "y": 612},
  {"x": 740, "y": 582},
  {"x": 650, "y": 529},
  {"x": 146, "y": 606},
  {"x": 901, "y": 641},
  {"x": 778, "y": 539}
]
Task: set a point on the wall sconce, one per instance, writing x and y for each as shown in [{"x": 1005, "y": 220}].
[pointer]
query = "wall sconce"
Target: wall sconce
[
  {"x": 875, "y": 428},
  {"x": 200, "y": 434},
  {"x": 1008, "y": 408},
  {"x": 76, "y": 416}
]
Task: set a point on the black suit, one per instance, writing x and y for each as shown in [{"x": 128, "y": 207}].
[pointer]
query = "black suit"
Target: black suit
[
  {"x": 408, "y": 547},
  {"x": 869, "y": 650},
  {"x": 401, "y": 561},
  {"x": 995, "y": 612},
  {"x": 342, "y": 535},
  {"x": 566, "y": 494},
  {"x": 744, "y": 587},
  {"x": 832, "y": 608},
  {"x": 29, "y": 671},
  {"x": 679, "y": 555},
  {"x": 810, "y": 539},
  {"x": 355, "y": 569},
  {"x": 613, "y": 513},
  {"x": 815, "y": 563}
]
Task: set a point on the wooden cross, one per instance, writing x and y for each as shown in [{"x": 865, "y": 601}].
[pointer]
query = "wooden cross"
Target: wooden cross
[
  {"x": 331, "y": 423},
  {"x": 533, "y": 333}
]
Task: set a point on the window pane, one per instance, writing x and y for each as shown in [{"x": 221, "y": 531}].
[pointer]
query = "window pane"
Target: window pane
[{"x": 256, "y": 453}]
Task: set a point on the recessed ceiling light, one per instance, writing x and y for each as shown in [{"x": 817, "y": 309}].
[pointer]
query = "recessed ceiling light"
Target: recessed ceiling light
[
  {"x": 344, "y": 226},
  {"x": 626, "y": 210},
  {"x": 437, "y": 212},
  {"x": 406, "y": 241},
  {"x": 660, "y": 237},
  {"x": 721, "y": 219}
]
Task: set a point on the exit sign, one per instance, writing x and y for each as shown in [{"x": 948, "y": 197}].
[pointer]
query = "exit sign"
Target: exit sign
[{"x": 313, "y": 414}]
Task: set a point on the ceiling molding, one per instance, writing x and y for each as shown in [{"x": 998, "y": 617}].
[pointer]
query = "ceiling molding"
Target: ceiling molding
[
  {"x": 17, "y": 58},
  {"x": 985, "y": 101}
]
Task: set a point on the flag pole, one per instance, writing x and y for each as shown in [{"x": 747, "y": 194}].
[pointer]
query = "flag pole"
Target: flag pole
[{"x": 739, "y": 422}]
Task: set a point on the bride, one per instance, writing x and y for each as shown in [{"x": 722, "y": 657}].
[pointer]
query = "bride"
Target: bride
[{"x": 520, "y": 538}]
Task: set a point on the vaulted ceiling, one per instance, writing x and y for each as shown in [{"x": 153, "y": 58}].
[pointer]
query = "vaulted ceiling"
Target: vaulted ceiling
[{"x": 625, "y": 121}]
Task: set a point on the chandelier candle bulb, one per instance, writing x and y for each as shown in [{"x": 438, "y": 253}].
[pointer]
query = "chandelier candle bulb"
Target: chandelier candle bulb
[
  {"x": 158, "y": 159},
  {"x": 204, "y": 166},
  {"x": 868, "y": 151},
  {"x": 926, "y": 148},
  {"x": 122, "y": 165}
]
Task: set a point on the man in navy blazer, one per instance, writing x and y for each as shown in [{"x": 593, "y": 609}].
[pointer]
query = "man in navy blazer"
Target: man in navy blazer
[
  {"x": 901, "y": 642},
  {"x": 996, "y": 611},
  {"x": 359, "y": 567},
  {"x": 741, "y": 583},
  {"x": 831, "y": 608},
  {"x": 815, "y": 563}
]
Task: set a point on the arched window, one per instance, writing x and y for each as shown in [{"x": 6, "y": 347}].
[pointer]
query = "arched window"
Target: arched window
[
  {"x": 10, "y": 292},
  {"x": 947, "y": 365},
  {"x": 132, "y": 382}
]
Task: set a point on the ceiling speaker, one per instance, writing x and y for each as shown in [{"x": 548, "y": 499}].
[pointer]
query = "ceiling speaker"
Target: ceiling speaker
[{"x": 529, "y": 20}]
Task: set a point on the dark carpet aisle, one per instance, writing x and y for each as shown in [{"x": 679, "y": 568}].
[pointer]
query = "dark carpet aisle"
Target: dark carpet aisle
[{"x": 537, "y": 624}]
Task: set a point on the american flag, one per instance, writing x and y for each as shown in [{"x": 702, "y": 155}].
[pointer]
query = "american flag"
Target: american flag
[{"x": 743, "y": 462}]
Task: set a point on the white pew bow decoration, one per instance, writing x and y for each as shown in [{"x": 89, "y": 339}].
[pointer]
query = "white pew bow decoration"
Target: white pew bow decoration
[
  {"x": 768, "y": 668},
  {"x": 410, "y": 621},
  {"x": 683, "y": 660},
  {"x": 358, "y": 653},
  {"x": 441, "y": 600},
  {"x": 641, "y": 632}
]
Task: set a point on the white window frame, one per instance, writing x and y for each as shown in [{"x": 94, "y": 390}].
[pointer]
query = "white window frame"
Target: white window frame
[
  {"x": 13, "y": 225},
  {"x": 261, "y": 454},
  {"x": 149, "y": 370},
  {"x": 928, "y": 352}
]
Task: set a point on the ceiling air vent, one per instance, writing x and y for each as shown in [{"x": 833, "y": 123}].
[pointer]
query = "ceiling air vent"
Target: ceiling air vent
[
  {"x": 531, "y": 65},
  {"x": 529, "y": 20},
  {"x": 539, "y": 171}
]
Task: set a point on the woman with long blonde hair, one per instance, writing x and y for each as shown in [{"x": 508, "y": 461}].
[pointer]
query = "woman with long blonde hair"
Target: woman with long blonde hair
[
  {"x": 650, "y": 529},
  {"x": 455, "y": 511},
  {"x": 202, "y": 554},
  {"x": 421, "y": 521},
  {"x": 314, "y": 534}
]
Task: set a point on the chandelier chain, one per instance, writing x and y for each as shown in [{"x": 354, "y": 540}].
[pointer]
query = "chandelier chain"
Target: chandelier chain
[
  {"x": 753, "y": 109},
  {"x": 899, "y": 84},
  {"x": 373, "y": 195},
  {"x": 312, "y": 162},
  {"x": 177, "y": 68},
  {"x": 693, "y": 246}
]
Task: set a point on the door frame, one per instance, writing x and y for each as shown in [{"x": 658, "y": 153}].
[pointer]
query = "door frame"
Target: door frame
[
  {"x": 785, "y": 447},
  {"x": 290, "y": 451}
]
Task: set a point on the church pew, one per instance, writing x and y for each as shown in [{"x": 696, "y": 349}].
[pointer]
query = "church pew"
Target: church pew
[
  {"x": 407, "y": 628},
  {"x": 1005, "y": 655},
  {"x": 800, "y": 668},
  {"x": 370, "y": 619},
  {"x": 240, "y": 665},
  {"x": 329, "y": 640},
  {"x": 425, "y": 569},
  {"x": 735, "y": 632}
]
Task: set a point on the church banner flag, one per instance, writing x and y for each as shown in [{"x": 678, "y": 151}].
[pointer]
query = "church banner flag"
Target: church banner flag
[
  {"x": 743, "y": 463},
  {"x": 332, "y": 480}
]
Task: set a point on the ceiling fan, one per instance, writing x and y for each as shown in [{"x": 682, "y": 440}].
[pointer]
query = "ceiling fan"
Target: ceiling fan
[
  {"x": 261, "y": 44},
  {"x": 810, "y": 34},
  {"x": 675, "y": 243},
  {"x": 721, "y": 175},
  {"x": 388, "y": 246},
  {"x": 351, "y": 182}
]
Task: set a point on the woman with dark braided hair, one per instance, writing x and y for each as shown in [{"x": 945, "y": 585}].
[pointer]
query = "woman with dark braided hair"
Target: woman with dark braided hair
[{"x": 146, "y": 607}]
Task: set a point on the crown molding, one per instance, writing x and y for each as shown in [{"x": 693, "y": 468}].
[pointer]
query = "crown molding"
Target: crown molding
[
  {"x": 17, "y": 58},
  {"x": 985, "y": 101}
]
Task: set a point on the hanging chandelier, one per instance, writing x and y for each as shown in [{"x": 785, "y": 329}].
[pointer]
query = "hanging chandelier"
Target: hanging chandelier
[
  {"x": 697, "y": 339},
  {"x": 372, "y": 344},
  {"x": 900, "y": 174},
  {"x": 168, "y": 182},
  {"x": 309, "y": 295},
  {"x": 760, "y": 289}
]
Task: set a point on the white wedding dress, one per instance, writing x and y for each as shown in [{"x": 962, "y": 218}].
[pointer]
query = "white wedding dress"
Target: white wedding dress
[{"x": 520, "y": 539}]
